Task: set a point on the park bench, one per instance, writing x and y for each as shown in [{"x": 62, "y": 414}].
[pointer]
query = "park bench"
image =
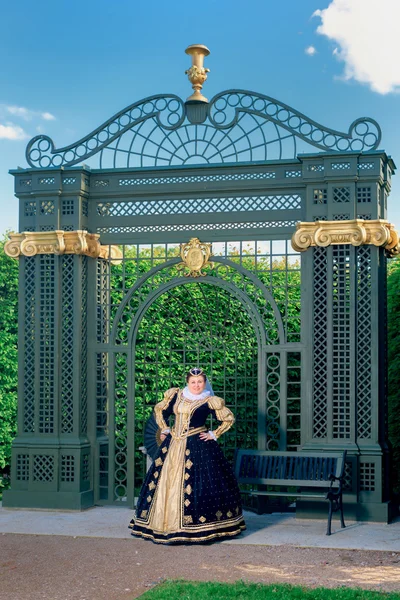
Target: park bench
[{"x": 311, "y": 475}]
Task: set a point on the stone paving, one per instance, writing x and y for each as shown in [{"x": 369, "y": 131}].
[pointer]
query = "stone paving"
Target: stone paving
[{"x": 275, "y": 529}]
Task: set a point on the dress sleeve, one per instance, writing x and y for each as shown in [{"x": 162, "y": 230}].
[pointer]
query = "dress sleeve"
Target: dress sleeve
[
  {"x": 163, "y": 409},
  {"x": 222, "y": 413}
]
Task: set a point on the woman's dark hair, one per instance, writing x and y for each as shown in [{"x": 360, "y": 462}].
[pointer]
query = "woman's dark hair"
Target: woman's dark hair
[{"x": 189, "y": 375}]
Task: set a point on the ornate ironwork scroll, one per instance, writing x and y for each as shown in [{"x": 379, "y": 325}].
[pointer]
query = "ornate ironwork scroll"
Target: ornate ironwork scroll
[{"x": 237, "y": 125}]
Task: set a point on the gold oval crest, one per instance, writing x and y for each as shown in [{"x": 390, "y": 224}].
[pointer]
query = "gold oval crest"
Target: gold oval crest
[{"x": 195, "y": 259}]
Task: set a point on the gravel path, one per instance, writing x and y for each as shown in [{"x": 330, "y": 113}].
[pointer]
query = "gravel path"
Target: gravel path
[{"x": 68, "y": 568}]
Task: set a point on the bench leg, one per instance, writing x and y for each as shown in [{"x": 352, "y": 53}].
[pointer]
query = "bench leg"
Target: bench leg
[
  {"x": 341, "y": 512},
  {"x": 329, "y": 530}
]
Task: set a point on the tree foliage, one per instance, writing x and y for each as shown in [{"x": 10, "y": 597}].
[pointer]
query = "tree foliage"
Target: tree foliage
[
  {"x": 8, "y": 352},
  {"x": 393, "y": 297}
]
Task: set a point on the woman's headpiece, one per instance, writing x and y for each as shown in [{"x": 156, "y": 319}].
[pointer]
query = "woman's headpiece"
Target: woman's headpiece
[{"x": 196, "y": 371}]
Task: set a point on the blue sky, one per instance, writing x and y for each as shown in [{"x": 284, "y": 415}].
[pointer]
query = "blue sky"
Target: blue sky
[{"x": 65, "y": 67}]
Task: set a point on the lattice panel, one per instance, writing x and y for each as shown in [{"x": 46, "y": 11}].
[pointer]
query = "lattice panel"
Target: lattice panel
[
  {"x": 120, "y": 427},
  {"x": 102, "y": 302},
  {"x": 103, "y": 472},
  {"x": 47, "y": 207},
  {"x": 293, "y": 396},
  {"x": 364, "y": 194},
  {"x": 293, "y": 173},
  {"x": 67, "y": 344},
  {"x": 367, "y": 477},
  {"x": 364, "y": 339},
  {"x": 46, "y": 180},
  {"x": 85, "y": 207},
  {"x": 46, "y": 344},
  {"x": 182, "y": 179},
  {"x": 341, "y": 194},
  {"x": 22, "y": 467},
  {"x": 85, "y": 467},
  {"x": 341, "y": 217},
  {"x": 30, "y": 208},
  {"x": 348, "y": 477},
  {"x": 341, "y": 361},
  {"x": 67, "y": 468},
  {"x": 198, "y": 205},
  {"x": 43, "y": 468},
  {"x": 196, "y": 227},
  {"x": 273, "y": 390},
  {"x": 317, "y": 168},
  {"x": 29, "y": 345},
  {"x": 320, "y": 195},
  {"x": 320, "y": 358},
  {"x": 84, "y": 344},
  {"x": 340, "y": 166},
  {"x": 101, "y": 393},
  {"x": 366, "y": 166},
  {"x": 67, "y": 205},
  {"x": 46, "y": 228}
]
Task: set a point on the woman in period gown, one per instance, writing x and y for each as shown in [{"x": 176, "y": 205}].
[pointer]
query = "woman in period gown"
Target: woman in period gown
[{"x": 190, "y": 493}]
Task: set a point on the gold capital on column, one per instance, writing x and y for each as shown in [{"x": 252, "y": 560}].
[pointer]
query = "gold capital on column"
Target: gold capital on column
[
  {"x": 356, "y": 232},
  {"x": 79, "y": 242}
]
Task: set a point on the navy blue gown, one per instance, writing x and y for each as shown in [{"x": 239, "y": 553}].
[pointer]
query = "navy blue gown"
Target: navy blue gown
[{"x": 190, "y": 493}]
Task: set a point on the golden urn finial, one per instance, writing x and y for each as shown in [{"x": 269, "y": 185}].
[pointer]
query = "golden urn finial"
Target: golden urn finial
[{"x": 197, "y": 74}]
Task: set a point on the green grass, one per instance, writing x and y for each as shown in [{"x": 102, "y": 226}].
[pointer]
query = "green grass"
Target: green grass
[{"x": 186, "y": 590}]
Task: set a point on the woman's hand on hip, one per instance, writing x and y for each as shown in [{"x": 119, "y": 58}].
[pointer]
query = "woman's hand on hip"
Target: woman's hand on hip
[{"x": 205, "y": 436}]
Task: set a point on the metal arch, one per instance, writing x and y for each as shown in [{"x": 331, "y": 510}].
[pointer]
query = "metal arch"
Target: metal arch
[
  {"x": 224, "y": 119},
  {"x": 248, "y": 305},
  {"x": 223, "y": 261}
]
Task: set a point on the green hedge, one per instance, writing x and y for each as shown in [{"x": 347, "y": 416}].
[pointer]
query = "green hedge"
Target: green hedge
[{"x": 8, "y": 354}]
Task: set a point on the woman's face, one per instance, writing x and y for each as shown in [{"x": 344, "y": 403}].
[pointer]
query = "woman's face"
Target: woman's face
[{"x": 196, "y": 384}]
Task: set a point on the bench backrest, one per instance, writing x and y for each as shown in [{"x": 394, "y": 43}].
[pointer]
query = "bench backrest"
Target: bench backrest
[{"x": 288, "y": 468}]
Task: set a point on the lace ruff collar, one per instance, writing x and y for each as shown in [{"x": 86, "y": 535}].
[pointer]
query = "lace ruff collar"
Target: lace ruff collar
[{"x": 189, "y": 396}]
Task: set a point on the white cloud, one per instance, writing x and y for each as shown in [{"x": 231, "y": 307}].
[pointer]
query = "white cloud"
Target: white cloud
[
  {"x": 48, "y": 116},
  {"x": 367, "y": 38},
  {"x": 9, "y": 131},
  {"x": 310, "y": 50},
  {"x": 27, "y": 114}
]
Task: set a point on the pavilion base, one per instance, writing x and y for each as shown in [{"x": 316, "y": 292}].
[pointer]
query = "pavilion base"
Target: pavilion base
[
  {"x": 380, "y": 512},
  {"x": 49, "y": 500}
]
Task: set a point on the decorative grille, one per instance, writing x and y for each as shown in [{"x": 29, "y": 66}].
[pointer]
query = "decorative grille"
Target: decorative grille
[
  {"x": 84, "y": 344},
  {"x": 29, "y": 344},
  {"x": 364, "y": 366},
  {"x": 43, "y": 468},
  {"x": 22, "y": 467},
  {"x": 367, "y": 477},
  {"x": 341, "y": 194},
  {"x": 198, "y": 205},
  {"x": 67, "y": 468},
  {"x": 46, "y": 344},
  {"x": 67, "y": 344},
  {"x": 341, "y": 360},
  {"x": 364, "y": 194},
  {"x": 120, "y": 427},
  {"x": 320, "y": 392}
]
